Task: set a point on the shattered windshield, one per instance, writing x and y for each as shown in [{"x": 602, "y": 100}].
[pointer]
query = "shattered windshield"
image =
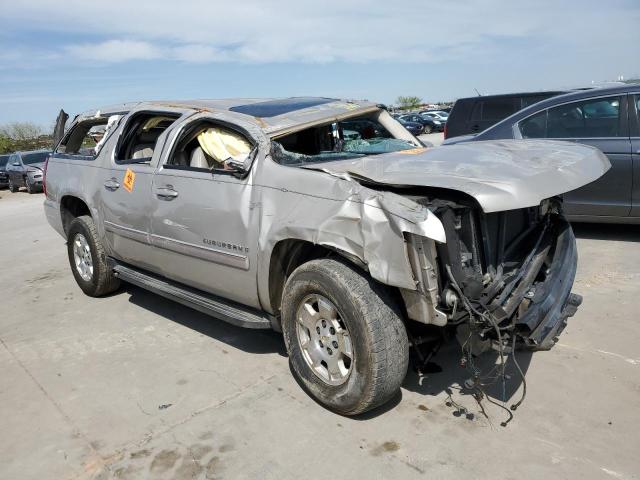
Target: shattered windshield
[{"x": 343, "y": 140}]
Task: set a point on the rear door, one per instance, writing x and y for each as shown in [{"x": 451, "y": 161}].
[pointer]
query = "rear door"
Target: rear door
[
  {"x": 634, "y": 120},
  {"x": 126, "y": 185},
  {"x": 205, "y": 219},
  {"x": 601, "y": 123}
]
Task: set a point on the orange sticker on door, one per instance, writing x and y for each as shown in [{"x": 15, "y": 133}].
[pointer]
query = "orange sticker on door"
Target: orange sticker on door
[{"x": 129, "y": 180}]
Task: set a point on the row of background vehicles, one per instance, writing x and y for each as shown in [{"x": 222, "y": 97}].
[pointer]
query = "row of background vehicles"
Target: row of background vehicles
[
  {"x": 427, "y": 121},
  {"x": 605, "y": 118},
  {"x": 23, "y": 169}
]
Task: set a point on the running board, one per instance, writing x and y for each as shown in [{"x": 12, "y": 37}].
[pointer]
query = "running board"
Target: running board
[{"x": 233, "y": 313}]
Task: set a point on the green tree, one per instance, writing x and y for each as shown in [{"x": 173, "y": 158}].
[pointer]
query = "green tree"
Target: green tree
[
  {"x": 19, "y": 136},
  {"x": 5, "y": 144},
  {"x": 408, "y": 103}
]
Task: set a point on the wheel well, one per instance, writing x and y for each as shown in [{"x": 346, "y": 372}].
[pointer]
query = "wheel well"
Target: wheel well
[
  {"x": 70, "y": 208},
  {"x": 288, "y": 255}
]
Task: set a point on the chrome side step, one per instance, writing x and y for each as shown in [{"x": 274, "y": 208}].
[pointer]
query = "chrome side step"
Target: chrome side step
[{"x": 226, "y": 310}]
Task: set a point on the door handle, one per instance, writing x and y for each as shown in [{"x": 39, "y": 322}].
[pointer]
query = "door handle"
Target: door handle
[
  {"x": 166, "y": 193},
  {"x": 112, "y": 185}
]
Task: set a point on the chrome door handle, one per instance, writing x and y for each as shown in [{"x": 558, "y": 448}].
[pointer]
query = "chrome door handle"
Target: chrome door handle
[
  {"x": 166, "y": 193},
  {"x": 112, "y": 185}
]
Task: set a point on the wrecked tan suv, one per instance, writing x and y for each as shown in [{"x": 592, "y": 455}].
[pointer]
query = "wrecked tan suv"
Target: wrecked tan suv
[{"x": 328, "y": 221}]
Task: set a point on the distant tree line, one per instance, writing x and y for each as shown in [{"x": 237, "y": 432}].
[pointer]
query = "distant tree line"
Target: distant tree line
[
  {"x": 408, "y": 103},
  {"x": 19, "y": 136}
]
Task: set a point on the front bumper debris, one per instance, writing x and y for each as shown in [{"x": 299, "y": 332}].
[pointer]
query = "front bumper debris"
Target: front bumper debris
[{"x": 552, "y": 303}]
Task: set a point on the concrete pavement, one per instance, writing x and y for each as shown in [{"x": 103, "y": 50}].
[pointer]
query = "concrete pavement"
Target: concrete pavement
[{"x": 135, "y": 386}]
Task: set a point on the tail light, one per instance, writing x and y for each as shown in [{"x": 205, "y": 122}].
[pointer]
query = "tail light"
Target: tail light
[
  {"x": 44, "y": 175},
  {"x": 445, "y": 131}
]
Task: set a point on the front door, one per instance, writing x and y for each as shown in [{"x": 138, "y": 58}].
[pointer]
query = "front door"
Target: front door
[
  {"x": 205, "y": 219},
  {"x": 14, "y": 169}
]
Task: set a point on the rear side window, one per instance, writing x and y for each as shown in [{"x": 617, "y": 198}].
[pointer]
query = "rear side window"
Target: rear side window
[
  {"x": 534, "y": 126},
  {"x": 140, "y": 136},
  {"x": 498, "y": 109},
  {"x": 83, "y": 139},
  {"x": 3, "y": 160},
  {"x": 635, "y": 119},
  {"x": 493, "y": 110}
]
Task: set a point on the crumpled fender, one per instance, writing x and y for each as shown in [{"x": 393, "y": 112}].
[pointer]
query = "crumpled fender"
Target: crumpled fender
[{"x": 339, "y": 213}]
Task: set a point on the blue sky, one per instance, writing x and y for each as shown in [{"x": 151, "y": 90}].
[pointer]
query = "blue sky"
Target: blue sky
[{"x": 80, "y": 55}]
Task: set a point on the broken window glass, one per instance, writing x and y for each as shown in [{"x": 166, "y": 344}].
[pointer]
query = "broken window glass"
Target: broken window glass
[{"x": 342, "y": 140}]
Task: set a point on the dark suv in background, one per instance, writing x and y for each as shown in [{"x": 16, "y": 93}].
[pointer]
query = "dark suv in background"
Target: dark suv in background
[
  {"x": 475, "y": 114},
  {"x": 605, "y": 118},
  {"x": 25, "y": 169},
  {"x": 4, "y": 179}
]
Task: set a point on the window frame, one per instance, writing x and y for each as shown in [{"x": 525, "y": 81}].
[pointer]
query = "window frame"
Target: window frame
[
  {"x": 92, "y": 122},
  {"x": 123, "y": 137},
  {"x": 190, "y": 125},
  {"x": 633, "y": 114},
  {"x": 623, "y": 118}
]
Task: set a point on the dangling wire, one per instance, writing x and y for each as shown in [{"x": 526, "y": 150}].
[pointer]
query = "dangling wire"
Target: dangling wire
[{"x": 492, "y": 376}]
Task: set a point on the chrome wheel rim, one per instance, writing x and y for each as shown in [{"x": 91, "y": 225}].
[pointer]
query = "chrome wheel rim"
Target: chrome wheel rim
[
  {"x": 324, "y": 339},
  {"x": 82, "y": 257}
]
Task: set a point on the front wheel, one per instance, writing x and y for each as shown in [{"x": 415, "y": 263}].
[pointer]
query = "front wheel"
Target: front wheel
[
  {"x": 88, "y": 260},
  {"x": 12, "y": 186},
  {"x": 28, "y": 186},
  {"x": 428, "y": 129},
  {"x": 345, "y": 337}
]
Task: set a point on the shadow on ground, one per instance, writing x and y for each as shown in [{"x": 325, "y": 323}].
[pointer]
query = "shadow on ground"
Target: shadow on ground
[
  {"x": 605, "y": 231},
  {"x": 451, "y": 379},
  {"x": 454, "y": 375},
  {"x": 245, "y": 339}
]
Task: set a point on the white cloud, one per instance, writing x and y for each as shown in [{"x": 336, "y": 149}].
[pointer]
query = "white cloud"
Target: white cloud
[
  {"x": 114, "y": 51},
  {"x": 365, "y": 48},
  {"x": 256, "y": 31}
]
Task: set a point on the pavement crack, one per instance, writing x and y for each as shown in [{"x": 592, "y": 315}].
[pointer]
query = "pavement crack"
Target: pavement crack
[{"x": 67, "y": 419}]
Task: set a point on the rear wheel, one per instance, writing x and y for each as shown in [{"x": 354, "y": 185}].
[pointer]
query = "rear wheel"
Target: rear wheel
[
  {"x": 88, "y": 260},
  {"x": 346, "y": 341}
]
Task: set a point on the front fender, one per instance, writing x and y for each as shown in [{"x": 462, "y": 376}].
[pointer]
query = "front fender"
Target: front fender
[{"x": 367, "y": 226}]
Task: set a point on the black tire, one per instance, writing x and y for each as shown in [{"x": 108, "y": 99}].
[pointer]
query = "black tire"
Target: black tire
[
  {"x": 12, "y": 187},
  {"x": 428, "y": 129},
  {"x": 102, "y": 281},
  {"x": 28, "y": 186},
  {"x": 378, "y": 335}
]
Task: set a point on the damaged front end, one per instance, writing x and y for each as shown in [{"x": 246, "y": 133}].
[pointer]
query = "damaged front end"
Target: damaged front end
[{"x": 502, "y": 278}]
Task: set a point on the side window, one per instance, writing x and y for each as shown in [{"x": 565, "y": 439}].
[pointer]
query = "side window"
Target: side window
[
  {"x": 207, "y": 146},
  {"x": 82, "y": 139},
  {"x": 636, "y": 123},
  {"x": 476, "y": 113},
  {"x": 140, "y": 135},
  {"x": 498, "y": 109},
  {"x": 585, "y": 119},
  {"x": 534, "y": 126}
]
